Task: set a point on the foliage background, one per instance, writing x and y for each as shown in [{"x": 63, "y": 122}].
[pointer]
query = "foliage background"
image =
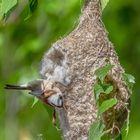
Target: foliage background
[{"x": 23, "y": 43}]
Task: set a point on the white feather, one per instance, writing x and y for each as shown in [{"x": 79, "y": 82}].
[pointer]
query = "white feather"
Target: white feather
[{"x": 56, "y": 100}]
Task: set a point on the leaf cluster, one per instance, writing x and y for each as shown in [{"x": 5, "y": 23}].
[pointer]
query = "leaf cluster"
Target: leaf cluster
[
  {"x": 6, "y": 7},
  {"x": 101, "y": 87}
]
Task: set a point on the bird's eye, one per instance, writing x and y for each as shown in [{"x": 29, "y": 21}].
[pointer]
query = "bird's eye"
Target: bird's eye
[{"x": 60, "y": 97}]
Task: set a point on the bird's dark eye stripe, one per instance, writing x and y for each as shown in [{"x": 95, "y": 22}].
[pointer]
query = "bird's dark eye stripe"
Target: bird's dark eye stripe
[
  {"x": 57, "y": 105},
  {"x": 60, "y": 97}
]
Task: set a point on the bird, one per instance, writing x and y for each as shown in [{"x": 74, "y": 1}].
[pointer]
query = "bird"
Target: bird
[
  {"x": 54, "y": 71},
  {"x": 45, "y": 91}
]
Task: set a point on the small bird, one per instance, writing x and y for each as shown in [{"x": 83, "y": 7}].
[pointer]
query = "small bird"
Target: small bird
[{"x": 45, "y": 91}]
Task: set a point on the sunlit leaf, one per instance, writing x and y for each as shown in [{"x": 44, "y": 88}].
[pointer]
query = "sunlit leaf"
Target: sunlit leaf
[
  {"x": 129, "y": 79},
  {"x": 34, "y": 102},
  {"x": 102, "y": 88},
  {"x": 104, "y": 3},
  {"x": 107, "y": 104},
  {"x": 6, "y": 6},
  {"x": 96, "y": 131},
  {"x": 97, "y": 90},
  {"x": 108, "y": 89},
  {"x": 103, "y": 71}
]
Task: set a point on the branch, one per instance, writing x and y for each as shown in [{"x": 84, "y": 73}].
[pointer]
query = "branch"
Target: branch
[{"x": 86, "y": 49}]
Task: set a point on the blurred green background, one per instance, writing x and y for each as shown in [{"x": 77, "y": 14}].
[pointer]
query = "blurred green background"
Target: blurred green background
[{"x": 23, "y": 43}]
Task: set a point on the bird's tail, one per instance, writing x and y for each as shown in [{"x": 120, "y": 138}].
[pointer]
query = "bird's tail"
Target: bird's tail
[{"x": 16, "y": 87}]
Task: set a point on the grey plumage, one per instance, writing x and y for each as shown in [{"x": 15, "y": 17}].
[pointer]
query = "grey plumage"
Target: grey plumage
[{"x": 55, "y": 66}]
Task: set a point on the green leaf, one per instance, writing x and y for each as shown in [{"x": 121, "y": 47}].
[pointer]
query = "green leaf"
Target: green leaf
[
  {"x": 97, "y": 90},
  {"x": 107, "y": 104},
  {"x": 33, "y": 5},
  {"x": 119, "y": 137},
  {"x": 104, "y": 3},
  {"x": 129, "y": 79},
  {"x": 34, "y": 102},
  {"x": 103, "y": 71},
  {"x": 108, "y": 89},
  {"x": 102, "y": 88},
  {"x": 96, "y": 131},
  {"x": 6, "y": 6}
]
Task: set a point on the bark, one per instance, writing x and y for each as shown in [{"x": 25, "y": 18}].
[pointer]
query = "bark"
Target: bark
[{"x": 88, "y": 48}]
